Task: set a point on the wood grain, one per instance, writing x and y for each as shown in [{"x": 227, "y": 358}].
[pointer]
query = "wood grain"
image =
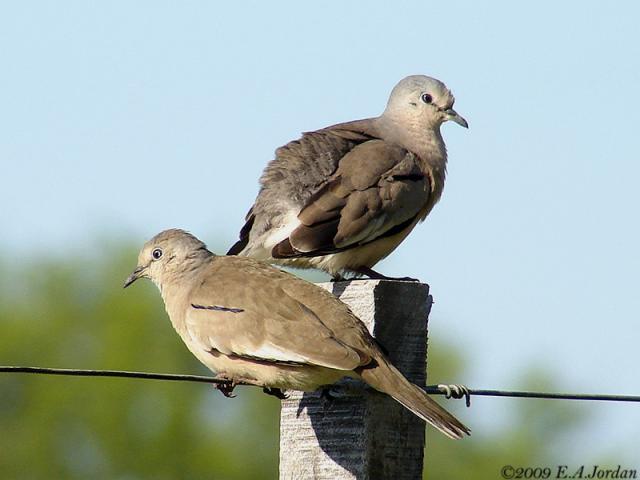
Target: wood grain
[{"x": 362, "y": 434}]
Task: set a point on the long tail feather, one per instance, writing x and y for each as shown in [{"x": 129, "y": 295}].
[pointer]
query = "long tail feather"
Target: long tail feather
[{"x": 386, "y": 378}]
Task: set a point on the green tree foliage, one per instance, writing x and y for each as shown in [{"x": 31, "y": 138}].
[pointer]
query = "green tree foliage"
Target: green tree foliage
[
  {"x": 534, "y": 437},
  {"x": 74, "y": 314}
]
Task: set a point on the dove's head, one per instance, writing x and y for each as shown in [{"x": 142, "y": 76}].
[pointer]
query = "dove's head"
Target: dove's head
[
  {"x": 169, "y": 254},
  {"x": 422, "y": 101}
]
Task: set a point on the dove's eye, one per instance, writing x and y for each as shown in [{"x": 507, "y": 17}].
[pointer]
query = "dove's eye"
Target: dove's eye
[
  {"x": 156, "y": 254},
  {"x": 426, "y": 98}
]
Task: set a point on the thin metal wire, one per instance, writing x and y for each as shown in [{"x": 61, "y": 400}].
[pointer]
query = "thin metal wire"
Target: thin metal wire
[
  {"x": 555, "y": 396},
  {"x": 431, "y": 389},
  {"x": 121, "y": 374}
]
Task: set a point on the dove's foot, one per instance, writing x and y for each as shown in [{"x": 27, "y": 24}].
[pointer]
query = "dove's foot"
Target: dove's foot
[
  {"x": 226, "y": 388},
  {"x": 275, "y": 392},
  {"x": 331, "y": 394},
  {"x": 372, "y": 274},
  {"x": 326, "y": 395}
]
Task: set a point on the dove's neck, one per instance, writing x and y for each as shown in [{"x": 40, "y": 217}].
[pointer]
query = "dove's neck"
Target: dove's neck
[
  {"x": 173, "y": 285},
  {"x": 420, "y": 137}
]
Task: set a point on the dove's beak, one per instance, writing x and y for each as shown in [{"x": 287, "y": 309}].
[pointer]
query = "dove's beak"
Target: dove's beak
[
  {"x": 454, "y": 117},
  {"x": 137, "y": 273}
]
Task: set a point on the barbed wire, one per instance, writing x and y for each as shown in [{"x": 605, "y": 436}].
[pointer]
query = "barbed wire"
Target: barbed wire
[{"x": 449, "y": 391}]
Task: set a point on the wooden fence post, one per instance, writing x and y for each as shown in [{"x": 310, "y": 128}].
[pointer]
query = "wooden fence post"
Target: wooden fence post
[{"x": 363, "y": 434}]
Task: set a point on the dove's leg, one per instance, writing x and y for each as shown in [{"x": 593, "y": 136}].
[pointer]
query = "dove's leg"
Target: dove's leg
[
  {"x": 326, "y": 394},
  {"x": 372, "y": 274},
  {"x": 226, "y": 388},
  {"x": 275, "y": 392}
]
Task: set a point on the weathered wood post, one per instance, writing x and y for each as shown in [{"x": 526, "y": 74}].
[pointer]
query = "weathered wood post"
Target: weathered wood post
[{"x": 363, "y": 434}]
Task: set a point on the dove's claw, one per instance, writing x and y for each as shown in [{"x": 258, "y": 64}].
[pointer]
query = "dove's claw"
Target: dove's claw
[
  {"x": 226, "y": 388},
  {"x": 372, "y": 274},
  {"x": 275, "y": 392},
  {"x": 326, "y": 395}
]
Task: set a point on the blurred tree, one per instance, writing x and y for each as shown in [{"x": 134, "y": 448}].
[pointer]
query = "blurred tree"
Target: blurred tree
[
  {"x": 73, "y": 313},
  {"x": 532, "y": 438}
]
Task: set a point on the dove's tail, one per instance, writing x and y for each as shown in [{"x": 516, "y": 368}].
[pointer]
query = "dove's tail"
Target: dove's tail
[{"x": 386, "y": 378}]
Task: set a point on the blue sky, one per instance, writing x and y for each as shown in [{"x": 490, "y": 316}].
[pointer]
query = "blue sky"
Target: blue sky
[{"x": 129, "y": 118}]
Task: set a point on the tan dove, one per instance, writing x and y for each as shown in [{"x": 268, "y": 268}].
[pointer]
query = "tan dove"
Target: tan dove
[
  {"x": 250, "y": 321},
  {"x": 344, "y": 197}
]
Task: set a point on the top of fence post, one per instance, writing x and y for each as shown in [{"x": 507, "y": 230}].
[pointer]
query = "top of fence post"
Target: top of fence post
[{"x": 363, "y": 434}]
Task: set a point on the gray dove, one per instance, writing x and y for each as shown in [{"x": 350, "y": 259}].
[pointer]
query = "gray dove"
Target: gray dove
[
  {"x": 252, "y": 322},
  {"x": 342, "y": 198}
]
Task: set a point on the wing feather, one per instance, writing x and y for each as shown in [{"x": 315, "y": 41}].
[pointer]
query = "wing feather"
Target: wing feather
[
  {"x": 255, "y": 318},
  {"x": 376, "y": 188}
]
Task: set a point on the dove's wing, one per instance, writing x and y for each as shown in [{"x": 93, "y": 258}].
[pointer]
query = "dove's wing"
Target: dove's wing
[
  {"x": 301, "y": 167},
  {"x": 244, "y": 309},
  {"x": 377, "y": 191}
]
